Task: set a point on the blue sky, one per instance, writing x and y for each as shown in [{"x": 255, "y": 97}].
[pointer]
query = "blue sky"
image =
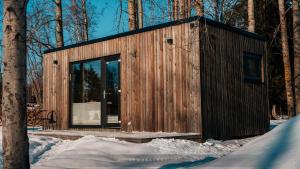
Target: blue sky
[
  {"x": 106, "y": 10},
  {"x": 106, "y": 13}
]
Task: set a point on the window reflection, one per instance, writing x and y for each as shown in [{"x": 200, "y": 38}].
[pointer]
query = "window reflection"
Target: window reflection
[
  {"x": 112, "y": 87},
  {"x": 86, "y": 93}
]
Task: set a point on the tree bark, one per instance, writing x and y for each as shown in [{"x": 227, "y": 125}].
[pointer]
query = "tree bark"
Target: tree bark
[
  {"x": 77, "y": 28},
  {"x": 222, "y": 11},
  {"x": 59, "y": 24},
  {"x": 182, "y": 10},
  {"x": 169, "y": 10},
  {"x": 85, "y": 21},
  {"x": 188, "y": 8},
  {"x": 251, "y": 17},
  {"x": 140, "y": 13},
  {"x": 199, "y": 7},
  {"x": 132, "y": 14},
  {"x": 216, "y": 9},
  {"x": 296, "y": 30},
  {"x": 175, "y": 9},
  {"x": 286, "y": 59},
  {"x": 14, "y": 118}
]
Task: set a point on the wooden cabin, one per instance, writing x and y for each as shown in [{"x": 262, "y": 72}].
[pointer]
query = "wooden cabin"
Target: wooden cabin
[{"x": 193, "y": 75}]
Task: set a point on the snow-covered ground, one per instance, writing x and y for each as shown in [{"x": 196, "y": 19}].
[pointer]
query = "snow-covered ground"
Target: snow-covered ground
[
  {"x": 97, "y": 152},
  {"x": 38, "y": 146},
  {"x": 94, "y": 152},
  {"x": 277, "y": 149}
]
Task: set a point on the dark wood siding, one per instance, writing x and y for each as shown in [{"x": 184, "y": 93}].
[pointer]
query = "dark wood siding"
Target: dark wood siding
[
  {"x": 160, "y": 82},
  {"x": 231, "y": 107}
]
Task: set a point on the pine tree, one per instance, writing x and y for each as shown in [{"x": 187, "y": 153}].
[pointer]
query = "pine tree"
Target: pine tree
[
  {"x": 296, "y": 27},
  {"x": 286, "y": 59}
]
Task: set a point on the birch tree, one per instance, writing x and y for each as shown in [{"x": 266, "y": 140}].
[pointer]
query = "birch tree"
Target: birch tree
[
  {"x": 14, "y": 118},
  {"x": 296, "y": 38},
  {"x": 286, "y": 59}
]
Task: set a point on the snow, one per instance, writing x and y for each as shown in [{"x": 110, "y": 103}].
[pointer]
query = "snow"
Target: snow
[
  {"x": 38, "y": 146},
  {"x": 275, "y": 123},
  {"x": 277, "y": 149},
  {"x": 93, "y": 152}
]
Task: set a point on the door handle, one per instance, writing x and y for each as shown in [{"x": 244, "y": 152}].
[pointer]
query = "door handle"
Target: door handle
[{"x": 104, "y": 94}]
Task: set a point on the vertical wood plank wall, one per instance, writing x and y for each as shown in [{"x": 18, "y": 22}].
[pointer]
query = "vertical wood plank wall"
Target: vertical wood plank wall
[
  {"x": 231, "y": 107},
  {"x": 160, "y": 82}
]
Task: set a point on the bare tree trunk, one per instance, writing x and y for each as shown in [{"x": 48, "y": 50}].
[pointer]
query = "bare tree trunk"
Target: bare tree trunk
[
  {"x": 216, "y": 9},
  {"x": 140, "y": 13},
  {"x": 85, "y": 21},
  {"x": 59, "y": 24},
  {"x": 296, "y": 27},
  {"x": 77, "y": 29},
  {"x": 221, "y": 11},
  {"x": 188, "y": 8},
  {"x": 251, "y": 17},
  {"x": 175, "y": 9},
  {"x": 14, "y": 118},
  {"x": 132, "y": 14},
  {"x": 199, "y": 7},
  {"x": 182, "y": 10},
  {"x": 286, "y": 59},
  {"x": 169, "y": 10}
]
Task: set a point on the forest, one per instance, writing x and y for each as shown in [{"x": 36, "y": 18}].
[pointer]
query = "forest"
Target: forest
[
  {"x": 45, "y": 20},
  {"x": 32, "y": 26}
]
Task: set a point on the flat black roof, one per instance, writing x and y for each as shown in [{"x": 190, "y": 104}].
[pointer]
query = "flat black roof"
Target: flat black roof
[{"x": 167, "y": 24}]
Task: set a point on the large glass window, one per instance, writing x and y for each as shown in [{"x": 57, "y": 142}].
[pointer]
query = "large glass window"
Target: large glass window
[{"x": 86, "y": 93}]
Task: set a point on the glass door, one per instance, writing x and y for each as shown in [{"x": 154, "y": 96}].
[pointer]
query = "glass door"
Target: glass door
[
  {"x": 86, "y": 82},
  {"x": 95, "y": 93},
  {"x": 111, "y": 92}
]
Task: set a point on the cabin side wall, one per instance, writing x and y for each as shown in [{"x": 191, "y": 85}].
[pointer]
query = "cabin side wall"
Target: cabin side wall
[
  {"x": 231, "y": 107},
  {"x": 160, "y": 81}
]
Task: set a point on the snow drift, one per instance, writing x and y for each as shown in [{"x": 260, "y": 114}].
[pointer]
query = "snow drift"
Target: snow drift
[
  {"x": 277, "y": 149},
  {"x": 96, "y": 152}
]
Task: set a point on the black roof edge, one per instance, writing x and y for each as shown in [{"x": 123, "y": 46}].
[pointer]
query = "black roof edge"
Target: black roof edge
[{"x": 167, "y": 24}]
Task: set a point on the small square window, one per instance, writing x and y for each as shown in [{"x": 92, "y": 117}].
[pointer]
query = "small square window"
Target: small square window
[{"x": 252, "y": 66}]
